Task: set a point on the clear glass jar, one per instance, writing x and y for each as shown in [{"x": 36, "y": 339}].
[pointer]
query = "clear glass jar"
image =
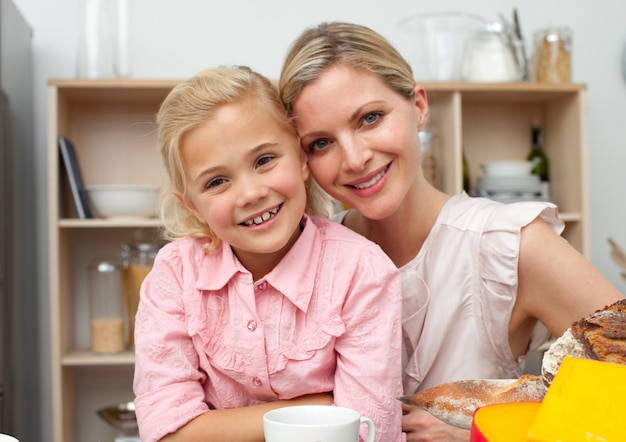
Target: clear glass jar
[
  {"x": 106, "y": 293},
  {"x": 552, "y": 60},
  {"x": 138, "y": 260},
  {"x": 430, "y": 161}
]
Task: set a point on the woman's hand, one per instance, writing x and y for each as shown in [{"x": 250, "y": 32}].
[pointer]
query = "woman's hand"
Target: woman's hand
[{"x": 421, "y": 426}]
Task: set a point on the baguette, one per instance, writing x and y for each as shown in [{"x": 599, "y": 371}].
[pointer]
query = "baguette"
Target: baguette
[{"x": 455, "y": 402}]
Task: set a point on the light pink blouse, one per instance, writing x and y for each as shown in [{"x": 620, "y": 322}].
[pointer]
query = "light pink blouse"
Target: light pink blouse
[
  {"x": 327, "y": 318},
  {"x": 460, "y": 289}
]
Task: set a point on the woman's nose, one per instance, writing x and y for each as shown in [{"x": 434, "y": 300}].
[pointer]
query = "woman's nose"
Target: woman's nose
[{"x": 356, "y": 154}]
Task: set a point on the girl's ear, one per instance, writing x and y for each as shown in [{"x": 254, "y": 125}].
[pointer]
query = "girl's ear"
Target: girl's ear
[
  {"x": 304, "y": 165},
  {"x": 420, "y": 100},
  {"x": 189, "y": 207}
]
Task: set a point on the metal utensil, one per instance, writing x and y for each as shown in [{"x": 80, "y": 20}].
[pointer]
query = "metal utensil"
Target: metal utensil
[{"x": 520, "y": 48}]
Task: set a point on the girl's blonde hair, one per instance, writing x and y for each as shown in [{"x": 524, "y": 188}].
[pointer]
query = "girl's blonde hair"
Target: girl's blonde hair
[
  {"x": 193, "y": 103},
  {"x": 353, "y": 45}
]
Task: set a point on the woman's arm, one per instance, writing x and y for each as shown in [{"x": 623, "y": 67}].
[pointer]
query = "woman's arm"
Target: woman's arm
[
  {"x": 243, "y": 424},
  {"x": 557, "y": 285}
]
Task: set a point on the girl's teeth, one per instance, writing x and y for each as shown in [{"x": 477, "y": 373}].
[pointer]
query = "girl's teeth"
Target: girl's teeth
[
  {"x": 370, "y": 182},
  {"x": 261, "y": 219}
]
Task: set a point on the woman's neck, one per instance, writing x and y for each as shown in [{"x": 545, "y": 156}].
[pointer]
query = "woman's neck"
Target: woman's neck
[{"x": 402, "y": 234}]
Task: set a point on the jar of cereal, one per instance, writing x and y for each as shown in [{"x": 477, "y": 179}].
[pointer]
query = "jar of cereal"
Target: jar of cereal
[
  {"x": 552, "y": 60},
  {"x": 106, "y": 294}
]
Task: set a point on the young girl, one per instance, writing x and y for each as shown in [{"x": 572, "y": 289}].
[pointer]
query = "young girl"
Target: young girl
[
  {"x": 481, "y": 280},
  {"x": 254, "y": 304}
]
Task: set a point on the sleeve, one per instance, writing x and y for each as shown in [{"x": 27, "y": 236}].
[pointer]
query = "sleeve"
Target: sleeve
[
  {"x": 167, "y": 382},
  {"x": 498, "y": 258},
  {"x": 368, "y": 375}
]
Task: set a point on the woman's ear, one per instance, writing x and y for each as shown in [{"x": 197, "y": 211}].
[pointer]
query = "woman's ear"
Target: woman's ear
[
  {"x": 189, "y": 206},
  {"x": 420, "y": 101}
]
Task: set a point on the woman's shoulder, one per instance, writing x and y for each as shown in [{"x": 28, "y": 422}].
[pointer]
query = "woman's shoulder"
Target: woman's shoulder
[{"x": 484, "y": 214}]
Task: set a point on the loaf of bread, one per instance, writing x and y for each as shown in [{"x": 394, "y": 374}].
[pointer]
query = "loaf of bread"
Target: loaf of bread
[{"x": 600, "y": 336}]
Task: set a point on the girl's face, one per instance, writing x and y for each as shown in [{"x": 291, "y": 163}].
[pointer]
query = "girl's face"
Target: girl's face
[
  {"x": 361, "y": 138},
  {"x": 245, "y": 176}
]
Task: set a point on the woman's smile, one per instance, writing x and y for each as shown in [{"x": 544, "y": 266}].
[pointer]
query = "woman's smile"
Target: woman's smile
[{"x": 365, "y": 183}]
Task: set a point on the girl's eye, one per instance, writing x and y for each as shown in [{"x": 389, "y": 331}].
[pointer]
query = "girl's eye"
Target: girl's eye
[
  {"x": 318, "y": 145},
  {"x": 215, "y": 182},
  {"x": 264, "y": 160},
  {"x": 371, "y": 118}
]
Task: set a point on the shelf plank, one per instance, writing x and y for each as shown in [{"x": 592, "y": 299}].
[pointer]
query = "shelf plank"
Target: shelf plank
[
  {"x": 116, "y": 223},
  {"x": 85, "y": 357}
]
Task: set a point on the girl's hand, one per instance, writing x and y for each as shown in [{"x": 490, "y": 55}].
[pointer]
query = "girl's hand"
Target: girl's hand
[{"x": 421, "y": 426}]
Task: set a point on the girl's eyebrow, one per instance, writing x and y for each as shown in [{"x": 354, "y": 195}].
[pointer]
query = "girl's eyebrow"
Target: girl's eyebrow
[{"x": 252, "y": 152}]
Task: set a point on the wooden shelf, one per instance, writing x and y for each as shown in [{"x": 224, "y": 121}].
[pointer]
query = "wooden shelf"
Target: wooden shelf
[{"x": 85, "y": 357}]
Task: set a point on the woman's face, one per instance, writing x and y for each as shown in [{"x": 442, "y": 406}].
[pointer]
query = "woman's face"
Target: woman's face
[
  {"x": 361, "y": 138},
  {"x": 245, "y": 178}
]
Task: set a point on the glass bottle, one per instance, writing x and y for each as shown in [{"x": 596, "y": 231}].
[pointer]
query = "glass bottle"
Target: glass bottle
[
  {"x": 466, "y": 176},
  {"x": 541, "y": 165}
]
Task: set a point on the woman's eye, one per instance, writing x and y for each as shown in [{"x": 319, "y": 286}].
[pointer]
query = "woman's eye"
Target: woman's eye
[
  {"x": 371, "y": 118},
  {"x": 318, "y": 145},
  {"x": 215, "y": 182}
]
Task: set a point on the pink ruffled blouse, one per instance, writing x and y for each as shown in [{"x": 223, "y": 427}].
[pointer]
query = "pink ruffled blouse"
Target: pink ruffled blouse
[{"x": 327, "y": 318}]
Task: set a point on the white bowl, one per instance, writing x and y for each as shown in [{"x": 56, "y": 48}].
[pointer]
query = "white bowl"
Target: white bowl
[
  {"x": 507, "y": 167},
  {"x": 123, "y": 200}
]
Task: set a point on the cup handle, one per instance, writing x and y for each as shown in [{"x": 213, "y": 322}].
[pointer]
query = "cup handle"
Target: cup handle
[{"x": 371, "y": 432}]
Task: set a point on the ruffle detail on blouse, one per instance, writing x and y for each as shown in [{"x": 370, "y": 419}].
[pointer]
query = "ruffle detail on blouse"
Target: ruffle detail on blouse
[
  {"x": 499, "y": 256},
  {"x": 223, "y": 356},
  {"x": 309, "y": 345}
]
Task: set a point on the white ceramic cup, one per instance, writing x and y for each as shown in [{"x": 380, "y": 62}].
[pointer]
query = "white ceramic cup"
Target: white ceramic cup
[
  {"x": 315, "y": 423},
  {"x": 7, "y": 438}
]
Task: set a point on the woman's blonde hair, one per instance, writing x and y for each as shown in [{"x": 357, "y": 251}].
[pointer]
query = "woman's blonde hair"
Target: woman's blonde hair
[
  {"x": 193, "y": 103},
  {"x": 353, "y": 45}
]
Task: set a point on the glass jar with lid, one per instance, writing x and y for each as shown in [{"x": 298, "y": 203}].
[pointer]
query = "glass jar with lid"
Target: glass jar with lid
[
  {"x": 106, "y": 292},
  {"x": 138, "y": 259},
  {"x": 552, "y": 59}
]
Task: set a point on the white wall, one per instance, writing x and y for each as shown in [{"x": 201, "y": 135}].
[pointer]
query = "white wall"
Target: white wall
[{"x": 174, "y": 39}]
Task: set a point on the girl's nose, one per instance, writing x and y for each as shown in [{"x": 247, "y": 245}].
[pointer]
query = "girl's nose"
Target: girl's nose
[{"x": 251, "y": 191}]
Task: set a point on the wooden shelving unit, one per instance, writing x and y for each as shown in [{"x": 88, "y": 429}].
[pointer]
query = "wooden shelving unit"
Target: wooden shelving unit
[{"x": 111, "y": 123}]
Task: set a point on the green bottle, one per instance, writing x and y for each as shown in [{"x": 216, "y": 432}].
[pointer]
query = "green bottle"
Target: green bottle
[
  {"x": 466, "y": 176},
  {"x": 541, "y": 165}
]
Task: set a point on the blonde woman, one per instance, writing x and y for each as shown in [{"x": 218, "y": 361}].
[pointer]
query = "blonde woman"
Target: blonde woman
[{"x": 484, "y": 283}]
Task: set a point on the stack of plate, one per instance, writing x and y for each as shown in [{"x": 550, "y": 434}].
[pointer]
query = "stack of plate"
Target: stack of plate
[{"x": 509, "y": 181}]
